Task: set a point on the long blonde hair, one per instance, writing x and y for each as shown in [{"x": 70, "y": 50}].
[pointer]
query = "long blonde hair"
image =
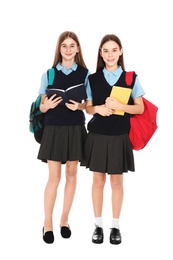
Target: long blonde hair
[{"x": 79, "y": 56}]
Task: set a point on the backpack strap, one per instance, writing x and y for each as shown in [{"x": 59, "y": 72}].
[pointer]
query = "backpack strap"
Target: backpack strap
[
  {"x": 50, "y": 76},
  {"x": 129, "y": 77}
]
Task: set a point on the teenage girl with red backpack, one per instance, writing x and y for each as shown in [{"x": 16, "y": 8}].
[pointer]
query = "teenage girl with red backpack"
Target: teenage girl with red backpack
[{"x": 108, "y": 148}]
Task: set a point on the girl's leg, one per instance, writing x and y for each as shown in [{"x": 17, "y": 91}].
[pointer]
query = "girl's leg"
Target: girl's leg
[
  {"x": 116, "y": 181},
  {"x": 51, "y": 192},
  {"x": 69, "y": 190},
  {"x": 99, "y": 180}
]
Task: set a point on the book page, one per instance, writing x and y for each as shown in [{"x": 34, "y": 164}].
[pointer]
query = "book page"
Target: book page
[{"x": 74, "y": 86}]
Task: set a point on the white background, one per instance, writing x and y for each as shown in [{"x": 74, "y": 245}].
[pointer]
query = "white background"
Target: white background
[{"x": 29, "y": 31}]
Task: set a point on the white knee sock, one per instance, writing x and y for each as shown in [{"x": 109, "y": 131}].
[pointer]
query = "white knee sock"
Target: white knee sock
[
  {"x": 98, "y": 222},
  {"x": 115, "y": 223}
]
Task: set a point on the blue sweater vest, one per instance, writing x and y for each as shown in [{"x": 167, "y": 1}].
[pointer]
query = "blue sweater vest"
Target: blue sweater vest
[
  {"x": 108, "y": 125},
  {"x": 61, "y": 115}
]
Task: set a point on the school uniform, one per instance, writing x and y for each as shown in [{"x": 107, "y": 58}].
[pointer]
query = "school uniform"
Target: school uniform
[
  {"x": 65, "y": 132},
  {"x": 108, "y": 148}
]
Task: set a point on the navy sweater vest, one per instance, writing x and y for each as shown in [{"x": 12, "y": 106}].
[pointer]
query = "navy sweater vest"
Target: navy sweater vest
[
  {"x": 61, "y": 115},
  {"x": 108, "y": 125}
]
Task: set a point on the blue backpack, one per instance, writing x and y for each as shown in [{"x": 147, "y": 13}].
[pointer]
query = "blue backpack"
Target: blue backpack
[{"x": 36, "y": 117}]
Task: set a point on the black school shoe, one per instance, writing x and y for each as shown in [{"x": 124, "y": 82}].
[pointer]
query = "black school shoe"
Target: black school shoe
[
  {"x": 98, "y": 235},
  {"x": 115, "y": 236},
  {"x": 48, "y": 237},
  {"x": 65, "y": 232}
]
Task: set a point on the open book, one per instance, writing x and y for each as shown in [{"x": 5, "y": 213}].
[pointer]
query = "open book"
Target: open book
[
  {"x": 76, "y": 93},
  {"x": 122, "y": 95}
]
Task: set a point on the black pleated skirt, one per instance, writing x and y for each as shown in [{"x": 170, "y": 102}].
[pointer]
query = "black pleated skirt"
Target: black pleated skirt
[
  {"x": 108, "y": 154},
  {"x": 62, "y": 143}
]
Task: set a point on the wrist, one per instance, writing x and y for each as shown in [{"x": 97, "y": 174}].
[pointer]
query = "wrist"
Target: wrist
[
  {"x": 42, "y": 108},
  {"x": 96, "y": 110},
  {"x": 81, "y": 106}
]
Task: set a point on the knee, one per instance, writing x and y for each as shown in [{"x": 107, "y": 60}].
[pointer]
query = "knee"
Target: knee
[
  {"x": 54, "y": 181},
  {"x": 99, "y": 182},
  {"x": 71, "y": 177},
  {"x": 116, "y": 184},
  {"x": 71, "y": 174}
]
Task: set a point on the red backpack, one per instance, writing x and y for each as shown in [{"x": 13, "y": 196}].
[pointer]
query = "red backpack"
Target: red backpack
[{"x": 142, "y": 127}]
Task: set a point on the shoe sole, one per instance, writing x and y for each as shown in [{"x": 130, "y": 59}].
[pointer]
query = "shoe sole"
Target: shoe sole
[
  {"x": 97, "y": 242},
  {"x": 115, "y": 243}
]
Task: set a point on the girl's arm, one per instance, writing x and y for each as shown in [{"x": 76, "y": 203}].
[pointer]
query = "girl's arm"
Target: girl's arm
[
  {"x": 136, "y": 108},
  {"x": 101, "y": 109}
]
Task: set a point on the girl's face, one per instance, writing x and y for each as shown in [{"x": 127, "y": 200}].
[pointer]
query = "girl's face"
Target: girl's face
[
  {"x": 110, "y": 52},
  {"x": 68, "y": 49}
]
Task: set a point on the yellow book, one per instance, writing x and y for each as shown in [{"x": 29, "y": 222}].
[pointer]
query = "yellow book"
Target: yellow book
[{"x": 122, "y": 95}]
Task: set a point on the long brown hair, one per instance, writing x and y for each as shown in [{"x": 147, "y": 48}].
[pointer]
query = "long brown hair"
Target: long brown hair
[
  {"x": 79, "y": 56},
  {"x": 100, "y": 61}
]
